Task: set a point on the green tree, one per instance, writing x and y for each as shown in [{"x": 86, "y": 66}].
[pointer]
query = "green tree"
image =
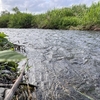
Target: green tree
[
  {"x": 79, "y": 10},
  {"x": 5, "y": 13},
  {"x": 16, "y": 10}
]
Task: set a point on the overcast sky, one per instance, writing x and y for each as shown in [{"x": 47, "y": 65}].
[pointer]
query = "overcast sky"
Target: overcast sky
[{"x": 39, "y": 6}]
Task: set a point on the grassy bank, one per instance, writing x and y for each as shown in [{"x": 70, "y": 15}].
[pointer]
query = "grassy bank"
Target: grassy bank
[{"x": 78, "y": 17}]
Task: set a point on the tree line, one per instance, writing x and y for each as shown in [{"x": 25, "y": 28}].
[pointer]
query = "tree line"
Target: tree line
[{"x": 75, "y": 17}]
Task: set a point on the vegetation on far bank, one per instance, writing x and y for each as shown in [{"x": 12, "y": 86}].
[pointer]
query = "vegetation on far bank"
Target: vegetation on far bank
[{"x": 78, "y": 17}]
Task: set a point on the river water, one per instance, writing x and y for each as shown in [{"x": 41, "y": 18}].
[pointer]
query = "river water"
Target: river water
[{"x": 65, "y": 64}]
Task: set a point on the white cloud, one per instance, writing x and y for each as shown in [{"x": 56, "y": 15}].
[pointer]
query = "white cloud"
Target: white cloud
[
  {"x": 1, "y": 6},
  {"x": 41, "y": 5}
]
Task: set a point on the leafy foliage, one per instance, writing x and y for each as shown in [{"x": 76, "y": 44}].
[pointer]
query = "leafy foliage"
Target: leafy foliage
[
  {"x": 20, "y": 20},
  {"x": 2, "y": 35},
  {"x": 68, "y": 21},
  {"x": 64, "y": 18},
  {"x": 8, "y": 60},
  {"x": 9, "y": 55},
  {"x": 4, "y": 43},
  {"x": 16, "y": 10},
  {"x": 4, "y": 19},
  {"x": 93, "y": 15},
  {"x": 12, "y": 66},
  {"x": 79, "y": 10}
]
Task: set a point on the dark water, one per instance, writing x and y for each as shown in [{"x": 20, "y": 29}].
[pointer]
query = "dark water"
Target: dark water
[{"x": 64, "y": 63}]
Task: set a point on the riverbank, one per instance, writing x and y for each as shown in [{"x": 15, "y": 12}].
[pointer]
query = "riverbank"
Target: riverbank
[
  {"x": 77, "y": 17},
  {"x": 12, "y": 85},
  {"x": 86, "y": 28}
]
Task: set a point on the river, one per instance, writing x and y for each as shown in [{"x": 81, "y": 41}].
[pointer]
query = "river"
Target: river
[{"x": 65, "y": 64}]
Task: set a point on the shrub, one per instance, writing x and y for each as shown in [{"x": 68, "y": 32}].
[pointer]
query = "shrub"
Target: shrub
[
  {"x": 69, "y": 21},
  {"x": 20, "y": 20},
  {"x": 4, "y": 21}
]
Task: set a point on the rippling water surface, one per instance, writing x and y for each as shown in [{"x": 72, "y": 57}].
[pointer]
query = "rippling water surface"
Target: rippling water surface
[{"x": 63, "y": 62}]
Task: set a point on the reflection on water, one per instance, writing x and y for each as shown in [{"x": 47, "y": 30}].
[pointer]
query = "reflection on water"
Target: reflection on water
[{"x": 63, "y": 62}]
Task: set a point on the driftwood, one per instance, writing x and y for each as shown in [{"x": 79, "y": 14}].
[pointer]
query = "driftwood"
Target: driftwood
[
  {"x": 16, "y": 84},
  {"x": 21, "y": 84}
]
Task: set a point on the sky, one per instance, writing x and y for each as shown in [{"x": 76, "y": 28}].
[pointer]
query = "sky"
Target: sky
[{"x": 40, "y": 6}]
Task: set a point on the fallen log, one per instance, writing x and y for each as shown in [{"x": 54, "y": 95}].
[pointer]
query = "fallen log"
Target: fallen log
[{"x": 11, "y": 92}]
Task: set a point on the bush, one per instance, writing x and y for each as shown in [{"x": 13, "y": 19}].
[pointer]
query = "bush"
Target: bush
[
  {"x": 93, "y": 15},
  {"x": 69, "y": 21},
  {"x": 20, "y": 20},
  {"x": 4, "y": 21}
]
